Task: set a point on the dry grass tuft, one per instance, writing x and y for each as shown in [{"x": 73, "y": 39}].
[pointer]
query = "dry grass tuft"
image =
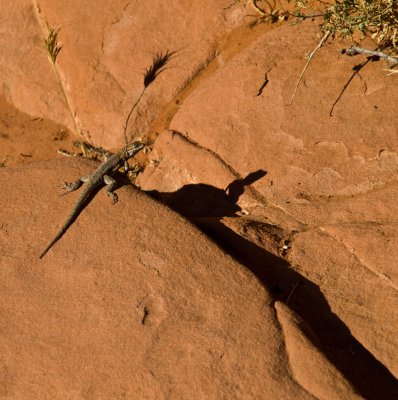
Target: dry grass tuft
[{"x": 50, "y": 42}]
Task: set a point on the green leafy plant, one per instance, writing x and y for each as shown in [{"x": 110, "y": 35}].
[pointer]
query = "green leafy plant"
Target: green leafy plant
[{"x": 345, "y": 18}]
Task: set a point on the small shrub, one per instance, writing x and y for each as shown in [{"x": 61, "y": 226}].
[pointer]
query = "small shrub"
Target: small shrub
[{"x": 346, "y": 18}]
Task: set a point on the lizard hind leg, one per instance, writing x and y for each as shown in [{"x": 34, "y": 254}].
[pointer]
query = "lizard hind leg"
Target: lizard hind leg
[
  {"x": 111, "y": 186},
  {"x": 71, "y": 187}
]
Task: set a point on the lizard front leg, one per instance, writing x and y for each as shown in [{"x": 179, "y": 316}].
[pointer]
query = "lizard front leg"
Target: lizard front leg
[
  {"x": 126, "y": 166},
  {"x": 111, "y": 186},
  {"x": 71, "y": 187}
]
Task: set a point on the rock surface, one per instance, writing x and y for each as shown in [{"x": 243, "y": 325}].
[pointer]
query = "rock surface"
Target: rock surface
[
  {"x": 106, "y": 51},
  {"x": 115, "y": 311},
  {"x": 300, "y": 196},
  {"x": 335, "y": 176}
]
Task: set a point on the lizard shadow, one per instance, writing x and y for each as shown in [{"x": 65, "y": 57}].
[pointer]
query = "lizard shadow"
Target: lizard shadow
[
  {"x": 205, "y": 205},
  {"x": 195, "y": 201}
]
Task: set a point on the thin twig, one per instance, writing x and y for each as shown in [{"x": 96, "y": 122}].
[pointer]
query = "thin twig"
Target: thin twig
[
  {"x": 126, "y": 124},
  {"x": 52, "y": 48},
  {"x": 231, "y": 5},
  {"x": 258, "y": 9},
  {"x": 82, "y": 146},
  {"x": 391, "y": 71},
  {"x": 352, "y": 51},
  {"x": 325, "y": 36},
  {"x": 292, "y": 291}
]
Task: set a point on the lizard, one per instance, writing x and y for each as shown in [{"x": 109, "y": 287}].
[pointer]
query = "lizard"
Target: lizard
[{"x": 102, "y": 174}]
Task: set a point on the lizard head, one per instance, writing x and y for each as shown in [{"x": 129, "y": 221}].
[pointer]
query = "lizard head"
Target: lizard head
[{"x": 133, "y": 148}]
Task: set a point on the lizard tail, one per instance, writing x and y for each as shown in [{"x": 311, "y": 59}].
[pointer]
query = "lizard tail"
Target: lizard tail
[
  {"x": 48, "y": 248},
  {"x": 69, "y": 221},
  {"x": 59, "y": 235}
]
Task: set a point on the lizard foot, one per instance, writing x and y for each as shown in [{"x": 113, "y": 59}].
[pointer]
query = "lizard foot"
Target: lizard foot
[
  {"x": 113, "y": 196},
  {"x": 71, "y": 187},
  {"x": 68, "y": 187}
]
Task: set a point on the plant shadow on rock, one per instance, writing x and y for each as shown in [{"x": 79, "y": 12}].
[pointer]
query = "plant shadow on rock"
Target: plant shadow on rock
[{"x": 206, "y": 205}]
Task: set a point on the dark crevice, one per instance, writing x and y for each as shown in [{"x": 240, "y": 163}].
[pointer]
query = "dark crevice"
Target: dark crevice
[{"x": 265, "y": 83}]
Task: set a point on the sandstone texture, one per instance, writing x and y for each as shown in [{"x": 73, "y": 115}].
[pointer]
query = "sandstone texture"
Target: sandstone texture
[
  {"x": 107, "y": 47},
  {"x": 114, "y": 311},
  {"x": 258, "y": 257}
]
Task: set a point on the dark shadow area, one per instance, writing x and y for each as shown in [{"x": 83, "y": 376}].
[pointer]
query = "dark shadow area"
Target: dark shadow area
[
  {"x": 369, "y": 377},
  {"x": 357, "y": 68},
  {"x": 205, "y": 205},
  {"x": 159, "y": 62},
  {"x": 201, "y": 200},
  {"x": 158, "y": 65},
  {"x": 236, "y": 188}
]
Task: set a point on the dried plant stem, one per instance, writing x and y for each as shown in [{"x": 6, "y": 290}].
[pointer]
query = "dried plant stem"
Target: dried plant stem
[
  {"x": 292, "y": 291},
  {"x": 52, "y": 48},
  {"x": 352, "y": 51},
  {"x": 325, "y": 36},
  {"x": 391, "y": 71},
  {"x": 82, "y": 146},
  {"x": 131, "y": 112},
  {"x": 258, "y": 9},
  {"x": 231, "y": 5}
]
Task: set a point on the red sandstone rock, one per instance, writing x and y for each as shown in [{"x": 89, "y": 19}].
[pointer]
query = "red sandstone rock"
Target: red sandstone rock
[
  {"x": 133, "y": 301},
  {"x": 302, "y": 195}
]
